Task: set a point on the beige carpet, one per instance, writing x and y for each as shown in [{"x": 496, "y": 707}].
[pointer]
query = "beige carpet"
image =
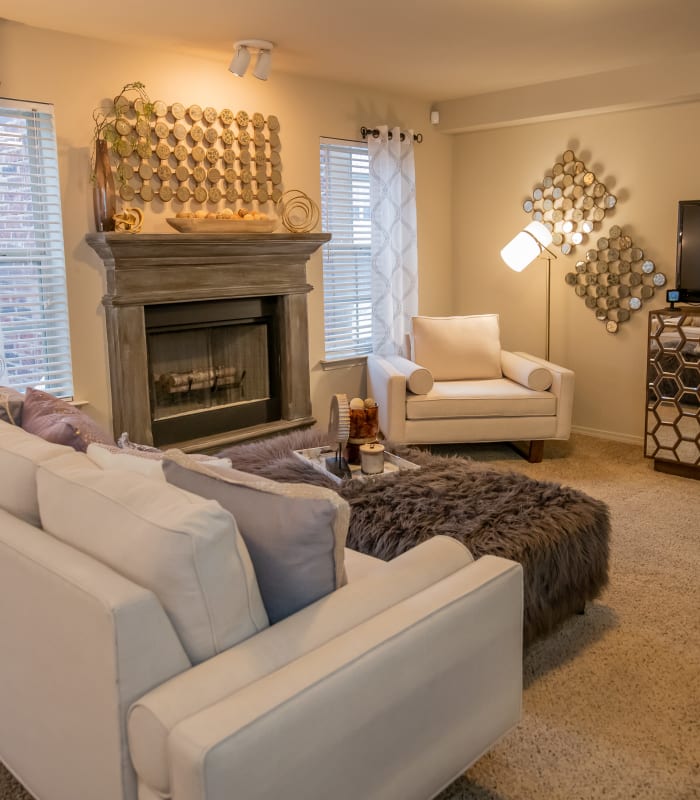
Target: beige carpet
[{"x": 611, "y": 708}]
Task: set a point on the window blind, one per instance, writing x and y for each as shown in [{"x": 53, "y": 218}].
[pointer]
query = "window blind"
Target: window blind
[
  {"x": 34, "y": 337},
  {"x": 347, "y": 257}
]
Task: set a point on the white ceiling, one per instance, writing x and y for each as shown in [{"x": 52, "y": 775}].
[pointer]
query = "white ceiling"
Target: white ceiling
[{"x": 434, "y": 49}]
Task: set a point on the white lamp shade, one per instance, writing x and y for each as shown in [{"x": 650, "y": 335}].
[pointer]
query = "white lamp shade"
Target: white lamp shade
[
  {"x": 524, "y": 248},
  {"x": 240, "y": 61}
]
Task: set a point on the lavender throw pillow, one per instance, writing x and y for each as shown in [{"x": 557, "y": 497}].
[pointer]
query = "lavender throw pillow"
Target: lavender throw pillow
[
  {"x": 11, "y": 402},
  {"x": 57, "y": 421}
]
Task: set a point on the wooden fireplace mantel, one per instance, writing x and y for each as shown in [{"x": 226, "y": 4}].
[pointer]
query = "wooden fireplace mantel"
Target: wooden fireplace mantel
[
  {"x": 150, "y": 269},
  {"x": 164, "y": 268}
]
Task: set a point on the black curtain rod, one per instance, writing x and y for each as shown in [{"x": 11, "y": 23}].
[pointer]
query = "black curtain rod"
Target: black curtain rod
[{"x": 417, "y": 137}]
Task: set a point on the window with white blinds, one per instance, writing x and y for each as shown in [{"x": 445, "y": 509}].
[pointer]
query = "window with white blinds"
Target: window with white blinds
[
  {"x": 34, "y": 340},
  {"x": 347, "y": 258}
]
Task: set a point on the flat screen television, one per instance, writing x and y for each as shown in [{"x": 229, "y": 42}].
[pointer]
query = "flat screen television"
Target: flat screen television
[{"x": 688, "y": 251}]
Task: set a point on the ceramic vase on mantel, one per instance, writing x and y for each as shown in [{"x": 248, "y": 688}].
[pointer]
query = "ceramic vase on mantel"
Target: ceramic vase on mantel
[{"x": 103, "y": 195}]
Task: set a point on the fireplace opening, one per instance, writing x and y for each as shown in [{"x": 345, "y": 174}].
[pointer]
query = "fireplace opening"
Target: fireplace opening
[{"x": 213, "y": 367}]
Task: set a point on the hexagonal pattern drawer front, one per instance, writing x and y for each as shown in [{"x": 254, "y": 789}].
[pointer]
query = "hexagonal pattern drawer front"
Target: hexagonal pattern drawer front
[{"x": 673, "y": 387}]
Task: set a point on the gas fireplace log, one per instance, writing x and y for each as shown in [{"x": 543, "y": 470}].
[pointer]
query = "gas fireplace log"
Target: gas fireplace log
[{"x": 216, "y": 378}]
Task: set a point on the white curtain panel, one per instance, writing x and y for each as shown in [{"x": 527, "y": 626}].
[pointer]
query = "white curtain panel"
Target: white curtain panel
[{"x": 392, "y": 178}]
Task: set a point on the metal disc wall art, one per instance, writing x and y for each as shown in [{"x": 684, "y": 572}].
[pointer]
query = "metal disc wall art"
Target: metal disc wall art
[
  {"x": 615, "y": 278},
  {"x": 570, "y": 201},
  {"x": 198, "y": 155}
]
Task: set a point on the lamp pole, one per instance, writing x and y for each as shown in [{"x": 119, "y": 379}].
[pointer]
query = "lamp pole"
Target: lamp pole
[{"x": 547, "y": 299}]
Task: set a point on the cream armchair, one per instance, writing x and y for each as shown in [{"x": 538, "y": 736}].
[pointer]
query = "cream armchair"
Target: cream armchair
[{"x": 460, "y": 386}]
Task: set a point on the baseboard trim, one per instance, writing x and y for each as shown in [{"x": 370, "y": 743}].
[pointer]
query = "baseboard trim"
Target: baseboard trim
[{"x": 612, "y": 436}]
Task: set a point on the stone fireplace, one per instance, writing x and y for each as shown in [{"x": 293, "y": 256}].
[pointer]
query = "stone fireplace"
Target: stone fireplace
[{"x": 207, "y": 335}]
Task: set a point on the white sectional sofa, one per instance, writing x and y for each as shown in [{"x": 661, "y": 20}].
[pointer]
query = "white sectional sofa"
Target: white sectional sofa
[{"x": 137, "y": 660}]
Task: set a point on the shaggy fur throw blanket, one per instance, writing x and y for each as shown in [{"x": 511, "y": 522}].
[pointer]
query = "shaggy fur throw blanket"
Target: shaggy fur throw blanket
[{"x": 558, "y": 534}]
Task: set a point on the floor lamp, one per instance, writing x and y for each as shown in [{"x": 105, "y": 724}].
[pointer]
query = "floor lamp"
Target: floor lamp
[{"x": 531, "y": 243}]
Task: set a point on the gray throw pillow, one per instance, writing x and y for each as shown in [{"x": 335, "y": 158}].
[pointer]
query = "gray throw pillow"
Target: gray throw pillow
[{"x": 295, "y": 532}]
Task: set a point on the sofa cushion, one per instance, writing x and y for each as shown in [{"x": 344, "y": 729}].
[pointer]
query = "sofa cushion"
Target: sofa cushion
[
  {"x": 458, "y": 348},
  {"x": 295, "y": 532},
  {"x": 58, "y": 421},
  {"x": 20, "y": 455},
  {"x": 183, "y": 548},
  {"x": 419, "y": 380},
  {"x": 491, "y": 398},
  {"x": 11, "y": 402},
  {"x": 525, "y": 372},
  {"x": 146, "y": 462}
]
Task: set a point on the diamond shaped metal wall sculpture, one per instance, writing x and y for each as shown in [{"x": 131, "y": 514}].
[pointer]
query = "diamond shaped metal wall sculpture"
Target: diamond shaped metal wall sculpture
[
  {"x": 570, "y": 201},
  {"x": 615, "y": 278}
]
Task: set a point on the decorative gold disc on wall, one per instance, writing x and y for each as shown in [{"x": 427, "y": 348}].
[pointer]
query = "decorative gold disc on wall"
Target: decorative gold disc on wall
[
  {"x": 198, "y": 155},
  {"x": 615, "y": 278},
  {"x": 570, "y": 201}
]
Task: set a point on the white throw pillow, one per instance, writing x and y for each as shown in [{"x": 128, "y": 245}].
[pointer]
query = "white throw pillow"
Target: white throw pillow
[
  {"x": 458, "y": 348},
  {"x": 185, "y": 549},
  {"x": 525, "y": 372},
  {"x": 145, "y": 462},
  {"x": 295, "y": 532},
  {"x": 107, "y": 457}
]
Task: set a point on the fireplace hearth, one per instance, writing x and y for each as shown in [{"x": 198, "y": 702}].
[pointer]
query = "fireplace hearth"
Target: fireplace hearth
[{"x": 207, "y": 334}]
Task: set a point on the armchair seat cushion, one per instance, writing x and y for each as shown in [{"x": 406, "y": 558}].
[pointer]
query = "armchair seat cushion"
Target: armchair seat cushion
[{"x": 498, "y": 397}]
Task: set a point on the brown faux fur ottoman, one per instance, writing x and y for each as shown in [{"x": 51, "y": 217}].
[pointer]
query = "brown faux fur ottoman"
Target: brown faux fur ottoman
[{"x": 558, "y": 534}]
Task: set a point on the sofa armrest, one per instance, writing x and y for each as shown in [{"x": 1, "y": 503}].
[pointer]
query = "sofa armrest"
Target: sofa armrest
[
  {"x": 80, "y": 644},
  {"x": 387, "y": 385},
  {"x": 393, "y": 709},
  {"x": 563, "y": 388},
  {"x": 153, "y": 716}
]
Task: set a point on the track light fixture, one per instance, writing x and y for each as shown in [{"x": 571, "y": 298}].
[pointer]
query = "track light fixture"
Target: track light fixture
[{"x": 241, "y": 58}]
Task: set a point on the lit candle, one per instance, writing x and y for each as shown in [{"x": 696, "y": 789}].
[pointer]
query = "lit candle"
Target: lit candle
[{"x": 372, "y": 458}]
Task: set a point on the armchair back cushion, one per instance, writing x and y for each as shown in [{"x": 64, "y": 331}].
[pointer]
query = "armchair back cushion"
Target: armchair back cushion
[
  {"x": 458, "y": 348},
  {"x": 185, "y": 549}
]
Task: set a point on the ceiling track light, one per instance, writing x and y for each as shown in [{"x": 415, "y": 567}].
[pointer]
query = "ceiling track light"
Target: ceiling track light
[
  {"x": 240, "y": 61},
  {"x": 241, "y": 58}
]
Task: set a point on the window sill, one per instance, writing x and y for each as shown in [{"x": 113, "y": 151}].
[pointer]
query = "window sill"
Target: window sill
[{"x": 343, "y": 363}]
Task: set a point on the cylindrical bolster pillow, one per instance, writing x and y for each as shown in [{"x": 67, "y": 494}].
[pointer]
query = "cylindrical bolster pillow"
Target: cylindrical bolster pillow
[
  {"x": 525, "y": 372},
  {"x": 419, "y": 380}
]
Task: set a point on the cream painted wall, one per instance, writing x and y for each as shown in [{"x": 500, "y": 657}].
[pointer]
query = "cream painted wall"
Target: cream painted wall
[
  {"x": 75, "y": 74},
  {"x": 649, "y": 158}
]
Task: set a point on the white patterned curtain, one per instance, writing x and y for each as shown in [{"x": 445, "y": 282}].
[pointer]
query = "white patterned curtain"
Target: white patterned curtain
[{"x": 394, "y": 242}]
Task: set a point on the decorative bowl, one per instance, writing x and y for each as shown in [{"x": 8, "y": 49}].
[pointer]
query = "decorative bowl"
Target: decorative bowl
[{"x": 231, "y": 225}]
